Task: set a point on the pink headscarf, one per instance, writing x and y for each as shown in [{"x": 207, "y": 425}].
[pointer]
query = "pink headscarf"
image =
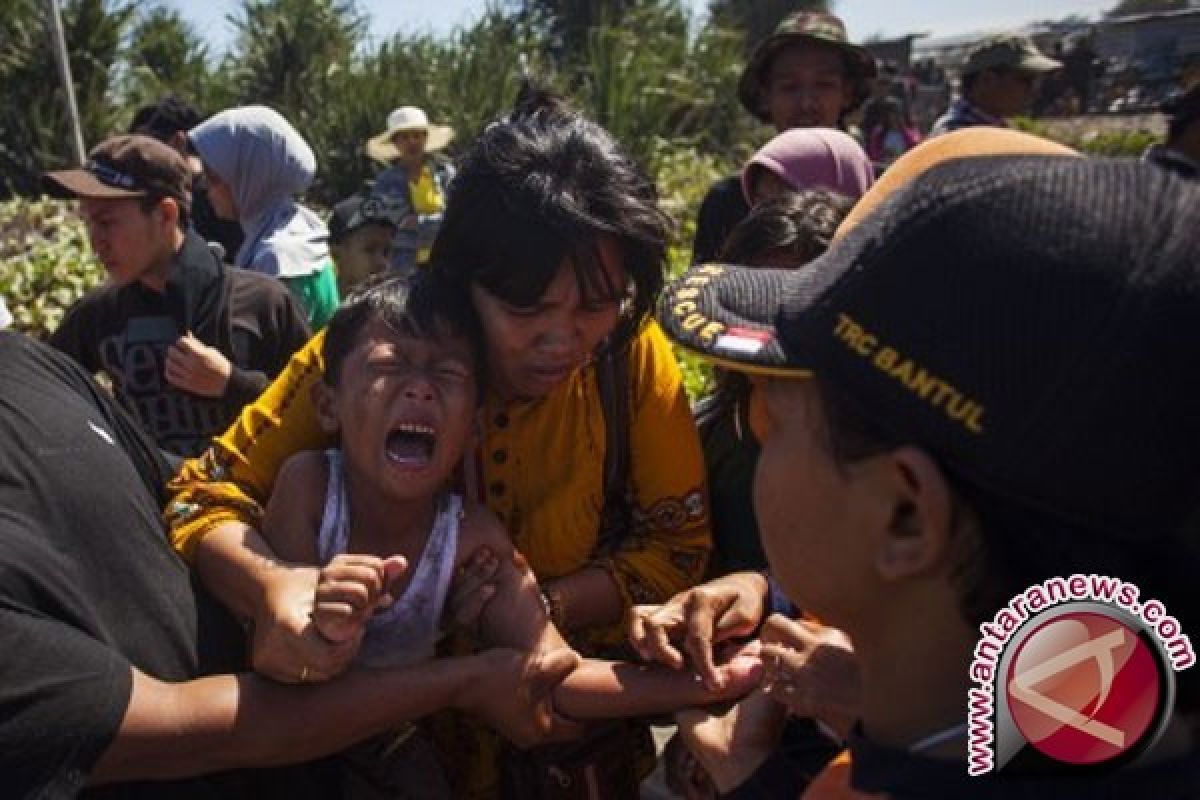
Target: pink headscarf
[{"x": 814, "y": 158}]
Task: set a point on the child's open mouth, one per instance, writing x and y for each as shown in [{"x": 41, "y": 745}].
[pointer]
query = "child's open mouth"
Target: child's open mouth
[{"x": 411, "y": 445}]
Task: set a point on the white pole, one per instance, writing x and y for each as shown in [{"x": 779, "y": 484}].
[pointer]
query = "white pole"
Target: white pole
[{"x": 64, "y": 73}]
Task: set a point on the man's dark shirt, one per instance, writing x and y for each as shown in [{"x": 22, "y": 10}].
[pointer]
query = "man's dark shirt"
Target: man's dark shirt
[
  {"x": 89, "y": 586},
  {"x": 126, "y": 332}
]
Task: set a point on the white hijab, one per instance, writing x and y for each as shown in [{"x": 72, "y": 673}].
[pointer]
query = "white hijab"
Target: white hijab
[{"x": 266, "y": 163}]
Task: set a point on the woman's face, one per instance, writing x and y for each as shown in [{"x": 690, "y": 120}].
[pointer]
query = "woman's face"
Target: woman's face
[
  {"x": 411, "y": 144},
  {"x": 532, "y": 350},
  {"x": 220, "y": 195}
]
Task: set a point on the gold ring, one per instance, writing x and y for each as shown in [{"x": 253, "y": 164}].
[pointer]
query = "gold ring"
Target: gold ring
[{"x": 304, "y": 674}]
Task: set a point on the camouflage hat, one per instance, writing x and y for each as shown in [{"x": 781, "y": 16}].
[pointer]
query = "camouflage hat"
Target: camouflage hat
[
  {"x": 1008, "y": 51},
  {"x": 798, "y": 27}
]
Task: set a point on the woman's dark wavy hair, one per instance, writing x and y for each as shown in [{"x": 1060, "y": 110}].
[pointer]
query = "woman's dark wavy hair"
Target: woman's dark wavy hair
[{"x": 540, "y": 187}]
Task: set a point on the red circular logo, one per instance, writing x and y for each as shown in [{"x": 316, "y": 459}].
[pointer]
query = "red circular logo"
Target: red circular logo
[{"x": 1084, "y": 688}]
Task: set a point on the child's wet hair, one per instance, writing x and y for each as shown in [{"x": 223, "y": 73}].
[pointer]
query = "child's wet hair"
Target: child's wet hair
[{"x": 422, "y": 306}]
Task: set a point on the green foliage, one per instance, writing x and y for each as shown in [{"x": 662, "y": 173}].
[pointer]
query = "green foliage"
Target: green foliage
[
  {"x": 46, "y": 263},
  {"x": 1092, "y": 140},
  {"x": 35, "y": 135},
  {"x": 166, "y": 55}
]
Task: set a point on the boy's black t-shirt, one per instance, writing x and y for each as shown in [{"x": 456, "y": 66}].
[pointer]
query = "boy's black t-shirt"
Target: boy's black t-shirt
[
  {"x": 89, "y": 585},
  {"x": 126, "y": 332}
]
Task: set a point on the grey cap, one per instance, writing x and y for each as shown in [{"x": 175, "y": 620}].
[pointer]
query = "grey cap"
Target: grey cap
[{"x": 1008, "y": 51}]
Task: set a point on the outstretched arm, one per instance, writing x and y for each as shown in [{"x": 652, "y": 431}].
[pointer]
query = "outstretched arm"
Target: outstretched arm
[
  {"x": 173, "y": 730},
  {"x": 597, "y": 689}
]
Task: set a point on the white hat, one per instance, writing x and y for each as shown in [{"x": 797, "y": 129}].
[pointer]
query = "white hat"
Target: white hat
[
  {"x": 5, "y": 317},
  {"x": 407, "y": 118}
]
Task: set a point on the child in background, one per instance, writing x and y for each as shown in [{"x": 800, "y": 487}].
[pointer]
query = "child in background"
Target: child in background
[
  {"x": 256, "y": 163},
  {"x": 807, "y": 158},
  {"x": 894, "y": 136},
  {"x": 401, "y": 391},
  {"x": 361, "y": 230}
]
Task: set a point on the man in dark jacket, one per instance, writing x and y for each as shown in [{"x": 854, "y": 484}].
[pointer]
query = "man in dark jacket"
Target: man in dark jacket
[{"x": 186, "y": 340}]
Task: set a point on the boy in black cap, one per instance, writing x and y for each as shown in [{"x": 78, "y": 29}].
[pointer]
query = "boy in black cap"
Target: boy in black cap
[
  {"x": 981, "y": 387},
  {"x": 807, "y": 74},
  {"x": 186, "y": 340},
  {"x": 361, "y": 230}
]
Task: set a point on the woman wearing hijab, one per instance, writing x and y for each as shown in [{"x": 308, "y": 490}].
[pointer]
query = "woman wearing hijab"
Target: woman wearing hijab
[
  {"x": 256, "y": 164},
  {"x": 416, "y": 178},
  {"x": 807, "y": 158}
]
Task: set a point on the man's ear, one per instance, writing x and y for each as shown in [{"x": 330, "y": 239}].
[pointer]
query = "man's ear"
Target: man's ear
[
  {"x": 919, "y": 531},
  {"x": 169, "y": 208},
  {"x": 325, "y": 404}
]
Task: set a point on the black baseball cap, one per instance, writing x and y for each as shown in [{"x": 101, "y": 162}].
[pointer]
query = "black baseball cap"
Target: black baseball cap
[
  {"x": 1028, "y": 320},
  {"x": 129, "y": 165},
  {"x": 362, "y": 209}
]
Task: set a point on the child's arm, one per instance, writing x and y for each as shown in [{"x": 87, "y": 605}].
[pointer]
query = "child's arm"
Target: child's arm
[
  {"x": 351, "y": 586},
  {"x": 614, "y": 689},
  {"x": 515, "y": 617},
  {"x": 293, "y": 514}
]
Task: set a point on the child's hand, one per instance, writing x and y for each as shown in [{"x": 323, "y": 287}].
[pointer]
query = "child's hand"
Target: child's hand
[
  {"x": 738, "y": 670},
  {"x": 350, "y": 589}
]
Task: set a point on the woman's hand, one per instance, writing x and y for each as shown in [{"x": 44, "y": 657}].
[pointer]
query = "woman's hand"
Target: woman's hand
[
  {"x": 473, "y": 587},
  {"x": 696, "y": 620},
  {"x": 731, "y": 745},
  {"x": 812, "y": 670}
]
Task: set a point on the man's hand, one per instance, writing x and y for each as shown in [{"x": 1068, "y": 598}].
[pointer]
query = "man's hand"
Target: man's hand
[
  {"x": 349, "y": 590},
  {"x": 197, "y": 368},
  {"x": 699, "y": 618},
  {"x": 813, "y": 671},
  {"x": 514, "y": 693},
  {"x": 285, "y": 644},
  {"x": 731, "y": 745}
]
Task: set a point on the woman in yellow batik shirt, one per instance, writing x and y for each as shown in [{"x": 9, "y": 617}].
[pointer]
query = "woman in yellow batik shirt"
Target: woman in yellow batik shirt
[{"x": 555, "y": 237}]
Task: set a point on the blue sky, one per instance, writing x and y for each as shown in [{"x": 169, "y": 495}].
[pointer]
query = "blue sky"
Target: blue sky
[{"x": 863, "y": 17}]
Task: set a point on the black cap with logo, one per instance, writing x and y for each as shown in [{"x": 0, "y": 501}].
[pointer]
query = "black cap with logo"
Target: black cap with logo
[{"x": 1027, "y": 319}]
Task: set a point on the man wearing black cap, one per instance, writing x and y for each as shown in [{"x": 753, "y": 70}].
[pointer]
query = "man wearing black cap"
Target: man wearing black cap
[
  {"x": 186, "y": 340},
  {"x": 1181, "y": 152},
  {"x": 807, "y": 74},
  {"x": 982, "y": 386}
]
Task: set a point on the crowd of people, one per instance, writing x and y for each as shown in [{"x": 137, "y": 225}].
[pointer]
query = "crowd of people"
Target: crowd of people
[{"x": 410, "y": 501}]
